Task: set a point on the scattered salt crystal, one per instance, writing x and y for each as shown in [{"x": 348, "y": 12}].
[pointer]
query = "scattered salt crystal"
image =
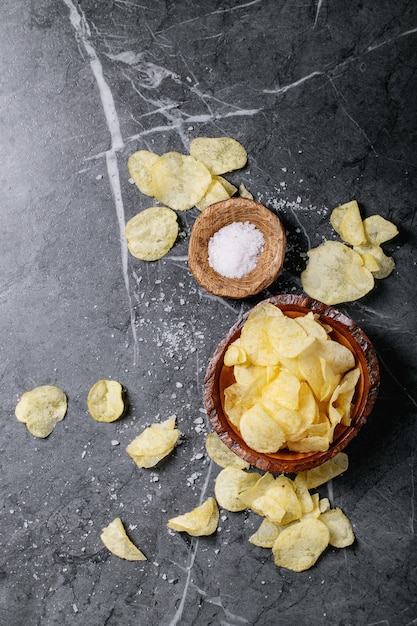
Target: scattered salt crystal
[
  {"x": 234, "y": 249},
  {"x": 114, "y": 442}
]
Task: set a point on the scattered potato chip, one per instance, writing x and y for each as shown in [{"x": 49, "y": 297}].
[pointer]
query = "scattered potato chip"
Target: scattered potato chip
[
  {"x": 116, "y": 540},
  {"x": 221, "y": 454},
  {"x": 245, "y": 193},
  {"x": 41, "y": 408},
  {"x": 376, "y": 260},
  {"x": 201, "y": 521},
  {"x": 265, "y": 535},
  {"x": 229, "y": 484},
  {"x": 250, "y": 495},
  {"x": 340, "y": 528},
  {"x": 154, "y": 443},
  {"x": 151, "y": 233},
  {"x": 335, "y": 273},
  {"x": 347, "y": 222},
  {"x": 329, "y": 469},
  {"x": 300, "y": 545},
  {"x": 219, "y": 154},
  {"x": 105, "y": 401},
  {"x": 179, "y": 181},
  {"x": 216, "y": 192},
  {"x": 378, "y": 229},
  {"x": 140, "y": 169}
]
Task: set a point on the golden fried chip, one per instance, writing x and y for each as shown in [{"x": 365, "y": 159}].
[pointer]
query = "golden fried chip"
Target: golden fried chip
[
  {"x": 201, "y": 521},
  {"x": 303, "y": 494},
  {"x": 151, "y": 233},
  {"x": 154, "y": 443},
  {"x": 116, "y": 540},
  {"x": 376, "y": 260},
  {"x": 235, "y": 354},
  {"x": 265, "y": 535},
  {"x": 299, "y": 545},
  {"x": 347, "y": 222},
  {"x": 259, "y": 431},
  {"x": 280, "y": 496},
  {"x": 340, "y": 528},
  {"x": 140, "y": 169},
  {"x": 179, "y": 181},
  {"x": 219, "y": 154},
  {"x": 41, "y": 408},
  {"x": 252, "y": 492},
  {"x": 329, "y": 469},
  {"x": 378, "y": 229},
  {"x": 284, "y": 390},
  {"x": 335, "y": 273},
  {"x": 244, "y": 192},
  {"x": 216, "y": 192},
  {"x": 229, "y": 484},
  {"x": 105, "y": 401},
  {"x": 221, "y": 454}
]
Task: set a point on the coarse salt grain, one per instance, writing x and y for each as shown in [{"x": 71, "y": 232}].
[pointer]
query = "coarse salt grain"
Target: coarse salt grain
[{"x": 233, "y": 250}]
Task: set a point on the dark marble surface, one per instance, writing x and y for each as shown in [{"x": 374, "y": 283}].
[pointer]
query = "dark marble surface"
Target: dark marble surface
[{"x": 323, "y": 96}]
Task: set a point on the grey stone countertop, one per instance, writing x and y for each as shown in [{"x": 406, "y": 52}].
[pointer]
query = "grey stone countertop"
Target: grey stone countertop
[{"x": 322, "y": 94}]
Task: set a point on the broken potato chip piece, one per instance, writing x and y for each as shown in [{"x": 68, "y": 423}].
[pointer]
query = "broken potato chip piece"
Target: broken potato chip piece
[
  {"x": 105, "y": 401},
  {"x": 219, "y": 154},
  {"x": 179, "y": 181},
  {"x": 201, "y": 521},
  {"x": 41, "y": 408},
  {"x": 221, "y": 454},
  {"x": 118, "y": 543},
  {"x": 154, "y": 443},
  {"x": 230, "y": 483},
  {"x": 151, "y": 233}
]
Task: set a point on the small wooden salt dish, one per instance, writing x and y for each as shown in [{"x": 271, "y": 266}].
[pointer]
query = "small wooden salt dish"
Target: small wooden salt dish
[
  {"x": 269, "y": 264},
  {"x": 346, "y": 332}
]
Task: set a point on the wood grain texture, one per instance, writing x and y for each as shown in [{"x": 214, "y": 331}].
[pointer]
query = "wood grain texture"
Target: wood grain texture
[{"x": 269, "y": 264}]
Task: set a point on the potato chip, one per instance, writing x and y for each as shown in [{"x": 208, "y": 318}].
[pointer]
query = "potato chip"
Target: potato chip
[
  {"x": 281, "y": 495},
  {"x": 347, "y": 222},
  {"x": 219, "y": 154},
  {"x": 335, "y": 273},
  {"x": 179, "y": 181},
  {"x": 105, "y": 401},
  {"x": 378, "y": 229},
  {"x": 259, "y": 487},
  {"x": 244, "y": 192},
  {"x": 140, "y": 169},
  {"x": 340, "y": 528},
  {"x": 116, "y": 540},
  {"x": 300, "y": 545},
  {"x": 41, "y": 408},
  {"x": 303, "y": 494},
  {"x": 151, "y": 233},
  {"x": 235, "y": 354},
  {"x": 265, "y": 535},
  {"x": 229, "y": 484},
  {"x": 201, "y": 521},
  {"x": 342, "y": 396},
  {"x": 216, "y": 192},
  {"x": 154, "y": 443},
  {"x": 329, "y": 469},
  {"x": 221, "y": 454},
  {"x": 259, "y": 431},
  {"x": 376, "y": 260},
  {"x": 312, "y": 326},
  {"x": 284, "y": 390}
]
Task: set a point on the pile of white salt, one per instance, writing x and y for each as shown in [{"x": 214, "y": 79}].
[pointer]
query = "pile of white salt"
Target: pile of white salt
[{"x": 234, "y": 250}]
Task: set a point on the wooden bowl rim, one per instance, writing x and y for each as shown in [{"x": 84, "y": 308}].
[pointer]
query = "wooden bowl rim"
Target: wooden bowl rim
[
  {"x": 365, "y": 356},
  {"x": 269, "y": 264}
]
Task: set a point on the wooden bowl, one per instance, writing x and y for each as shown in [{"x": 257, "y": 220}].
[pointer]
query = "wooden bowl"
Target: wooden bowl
[
  {"x": 346, "y": 332},
  {"x": 269, "y": 264}
]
